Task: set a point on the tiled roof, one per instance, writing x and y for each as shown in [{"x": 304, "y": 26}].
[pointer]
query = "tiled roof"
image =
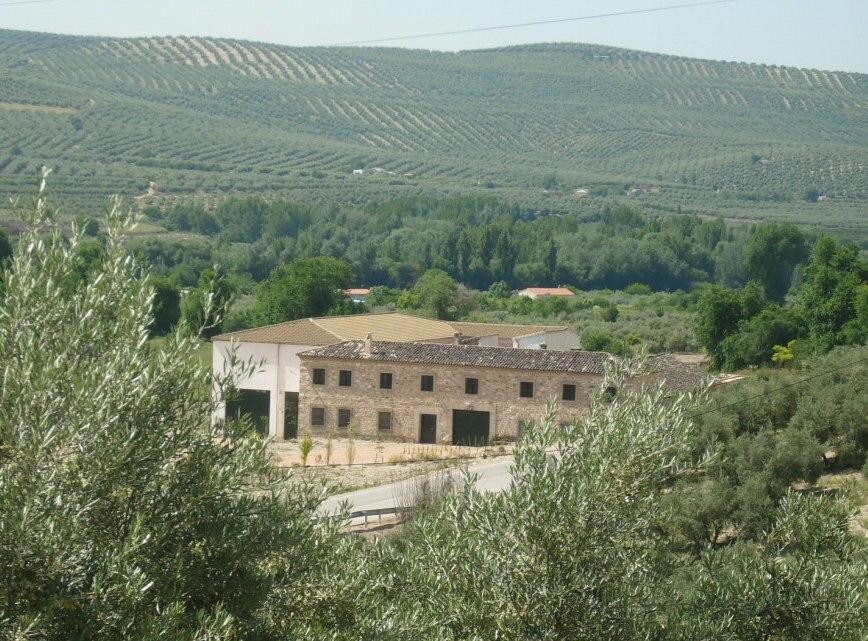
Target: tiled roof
[
  {"x": 358, "y": 291},
  {"x": 503, "y": 330},
  {"x": 391, "y": 326},
  {"x": 333, "y": 329},
  {"x": 298, "y": 332},
  {"x": 467, "y": 355},
  {"x": 548, "y": 291},
  {"x": 675, "y": 374}
]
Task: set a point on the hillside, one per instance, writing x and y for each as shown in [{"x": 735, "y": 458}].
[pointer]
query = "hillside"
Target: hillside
[{"x": 167, "y": 118}]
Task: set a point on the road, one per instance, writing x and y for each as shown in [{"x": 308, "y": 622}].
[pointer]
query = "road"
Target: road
[{"x": 492, "y": 476}]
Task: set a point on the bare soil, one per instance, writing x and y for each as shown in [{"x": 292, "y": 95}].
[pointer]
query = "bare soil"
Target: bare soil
[{"x": 367, "y": 452}]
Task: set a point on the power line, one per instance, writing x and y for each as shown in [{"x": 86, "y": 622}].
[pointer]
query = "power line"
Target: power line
[
  {"x": 18, "y": 2},
  {"x": 782, "y": 387},
  {"x": 517, "y": 25}
]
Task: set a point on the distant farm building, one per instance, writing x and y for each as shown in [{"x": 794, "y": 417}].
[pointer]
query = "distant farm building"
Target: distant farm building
[
  {"x": 270, "y": 396},
  {"x": 357, "y": 294},
  {"x": 455, "y": 393},
  {"x": 535, "y": 293}
]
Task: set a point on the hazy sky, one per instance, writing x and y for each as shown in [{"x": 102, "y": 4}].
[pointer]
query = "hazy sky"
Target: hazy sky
[{"x": 827, "y": 34}]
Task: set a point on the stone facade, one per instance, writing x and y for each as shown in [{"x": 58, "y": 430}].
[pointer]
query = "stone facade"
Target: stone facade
[{"x": 498, "y": 394}]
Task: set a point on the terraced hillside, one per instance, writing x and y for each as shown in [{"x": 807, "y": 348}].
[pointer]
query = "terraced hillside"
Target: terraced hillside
[{"x": 166, "y": 118}]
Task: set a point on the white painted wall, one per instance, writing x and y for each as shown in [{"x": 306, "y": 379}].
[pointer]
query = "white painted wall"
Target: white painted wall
[
  {"x": 563, "y": 339},
  {"x": 558, "y": 340},
  {"x": 292, "y": 365},
  {"x": 490, "y": 341},
  {"x": 277, "y": 371}
]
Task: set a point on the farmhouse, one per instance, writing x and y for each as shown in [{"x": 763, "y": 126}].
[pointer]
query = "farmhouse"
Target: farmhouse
[
  {"x": 450, "y": 393},
  {"x": 271, "y": 395},
  {"x": 535, "y": 293},
  {"x": 357, "y": 294}
]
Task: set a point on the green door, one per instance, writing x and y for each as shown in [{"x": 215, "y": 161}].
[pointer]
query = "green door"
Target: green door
[
  {"x": 428, "y": 428},
  {"x": 254, "y": 404},
  {"x": 290, "y": 415},
  {"x": 470, "y": 427}
]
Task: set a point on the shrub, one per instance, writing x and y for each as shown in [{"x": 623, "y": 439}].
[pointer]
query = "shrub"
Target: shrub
[
  {"x": 637, "y": 289},
  {"x": 125, "y": 513},
  {"x": 603, "y": 342}
]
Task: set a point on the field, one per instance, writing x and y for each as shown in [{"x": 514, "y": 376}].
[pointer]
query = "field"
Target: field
[{"x": 165, "y": 119}]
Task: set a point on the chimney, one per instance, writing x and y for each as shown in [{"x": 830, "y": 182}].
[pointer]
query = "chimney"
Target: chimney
[
  {"x": 543, "y": 346},
  {"x": 368, "y": 340},
  {"x": 456, "y": 338}
]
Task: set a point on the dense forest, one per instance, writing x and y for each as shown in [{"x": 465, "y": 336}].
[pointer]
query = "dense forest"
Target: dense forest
[
  {"x": 673, "y": 283},
  {"x": 477, "y": 241}
]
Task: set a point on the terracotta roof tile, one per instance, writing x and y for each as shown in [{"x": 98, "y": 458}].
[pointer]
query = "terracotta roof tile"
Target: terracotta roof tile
[
  {"x": 333, "y": 329},
  {"x": 577, "y": 362},
  {"x": 547, "y": 291},
  {"x": 505, "y": 330}
]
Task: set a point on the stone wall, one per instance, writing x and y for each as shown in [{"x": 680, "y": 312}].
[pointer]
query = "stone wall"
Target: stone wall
[{"x": 498, "y": 395}]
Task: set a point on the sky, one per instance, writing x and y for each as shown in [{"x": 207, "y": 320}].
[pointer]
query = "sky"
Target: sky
[{"x": 824, "y": 34}]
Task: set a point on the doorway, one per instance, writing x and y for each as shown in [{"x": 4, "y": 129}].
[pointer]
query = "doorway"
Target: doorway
[
  {"x": 470, "y": 427},
  {"x": 250, "y": 403},
  {"x": 290, "y": 415},
  {"x": 428, "y": 428}
]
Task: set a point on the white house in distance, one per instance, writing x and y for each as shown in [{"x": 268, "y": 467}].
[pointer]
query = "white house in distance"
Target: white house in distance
[
  {"x": 357, "y": 294},
  {"x": 535, "y": 293},
  {"x": 270, "y": 395}
]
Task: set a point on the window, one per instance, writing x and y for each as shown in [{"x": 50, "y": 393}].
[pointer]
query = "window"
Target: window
[
  {"x": 384, "y": 421},
  {"x": 317, "y": 416},
  {"x": 318, "y": 376},
  {"x": 525, "y": 389},
  {"x": 471, "y": 386},
  {"x": 427, "y": 383},
  {"x": 610, "y": 392},
  {"x": 345, "y": 378},
  {"x": 344, "y": 416},
  {"x": 385, "y": 380},
  {"x": 569, "y": 393}
]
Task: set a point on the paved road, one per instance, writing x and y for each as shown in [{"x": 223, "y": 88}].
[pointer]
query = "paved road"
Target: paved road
[{"x": 492, "y": 476}]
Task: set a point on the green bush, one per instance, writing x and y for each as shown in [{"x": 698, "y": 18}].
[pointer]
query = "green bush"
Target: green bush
[
  {"x": 125, "y": 513},
  {"x": 603, "y": 342}
]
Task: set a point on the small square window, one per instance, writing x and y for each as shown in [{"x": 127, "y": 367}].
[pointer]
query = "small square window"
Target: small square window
[
  {"x": 317, "y": 416},
  {"x": 569, "y": 393},
  {"x": 525, "y": 389},
  {"x": 471, "y": 386},
  {"x": 318, "y": 376},
  {"x": 427, "y": 383},
  {"x": 345, "y": 378},
  {"x": 384, "y": 420},
  {"x": 385, "y": 380},
  {"x": 344, "y": 416}
]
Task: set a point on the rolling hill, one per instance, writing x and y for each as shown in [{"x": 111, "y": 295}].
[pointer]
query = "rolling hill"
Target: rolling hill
[{"x": 158, "y": 119}]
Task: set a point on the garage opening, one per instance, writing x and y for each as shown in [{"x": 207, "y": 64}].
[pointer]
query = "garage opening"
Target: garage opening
[
  {"x": 251, "y": 403},
  {"x": 290, "y": 415},
  {"x": 470, "y": 427}
]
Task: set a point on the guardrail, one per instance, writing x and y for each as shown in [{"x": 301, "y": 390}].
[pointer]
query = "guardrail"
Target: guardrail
[{"x": 379, "y": 513}]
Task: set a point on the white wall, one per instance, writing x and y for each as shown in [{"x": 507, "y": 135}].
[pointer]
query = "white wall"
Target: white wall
[
  {"x": 531, "y": 341},
  {"x": 563, "y": 340},
  {"x": 558, "y": 340},
  {"x": 292, "y": 365},
  {"x": 265, "y": 377}
]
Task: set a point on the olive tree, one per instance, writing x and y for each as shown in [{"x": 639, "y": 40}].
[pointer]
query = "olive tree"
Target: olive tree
[
  {"x": 579, "y": 547},
  {"x": 124, "y": 511}
]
